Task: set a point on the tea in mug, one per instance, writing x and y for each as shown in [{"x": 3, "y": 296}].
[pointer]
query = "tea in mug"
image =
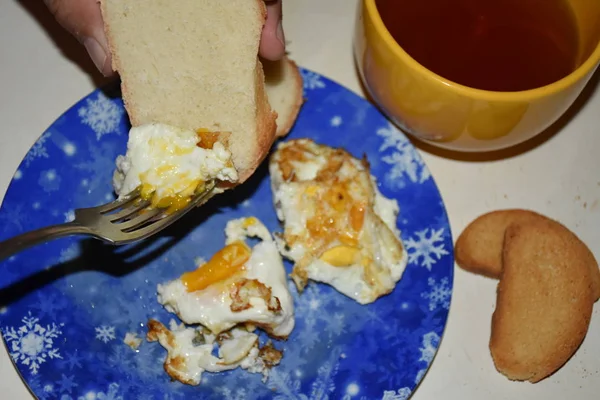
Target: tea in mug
[{"x": 500, "y": 45}]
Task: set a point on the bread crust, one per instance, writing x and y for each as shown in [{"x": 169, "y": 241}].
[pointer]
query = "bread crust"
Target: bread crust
[
  {"x": 298, "y": 96},
  {"x": 266, "y": 125},
  {"x": 265, "y": 116},
  {"x": 544, "y": 300}
]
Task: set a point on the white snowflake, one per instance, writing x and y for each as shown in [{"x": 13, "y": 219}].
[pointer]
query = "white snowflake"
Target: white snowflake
[
  {"x": 69, "y": 148},
  {"x": 336, "y": 121},
  {"x": 352, "y": 389},
  {"x": 312, "y": 80},
  {"x": 38, "y": 150},
  {"x": 111, "y": 394},
  {"x": 69, "y": 215},
  {"x": 428, "y": 248},
  {"x": 430, "y": 342},
  {"x": 33, "y": 344},
  {"x": 105, "y": 333},
  {"x": 400, "y": 394},
  {"x": 286, "y": 386},
  {"x": 102, "y": 115},
  {"x": 229, "y": 394},
  {"x": 66, "y": 383},
  {"x": 404, "y": 159},
  {"x": 69, "y": 253},
  {"x": 420, "y": 375},
  {"x": 18, "y": 175},
  {"x": 324, "y": 385},
  {"x": 49, "y": 180},
  {"x": 439, "y": 295}
]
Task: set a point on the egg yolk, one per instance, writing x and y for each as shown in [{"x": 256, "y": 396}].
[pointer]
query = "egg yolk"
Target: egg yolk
[
  {"x": 224, "y": 264},
  {"x": 172, "y": 202},
  {"x": 341, "y": 256},
  {"x": 248, "y": 222},
  {"x": 206, "y": 138}
]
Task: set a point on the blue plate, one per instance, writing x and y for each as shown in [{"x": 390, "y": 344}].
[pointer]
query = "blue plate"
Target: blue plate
[{"x": 67, "y": 304}]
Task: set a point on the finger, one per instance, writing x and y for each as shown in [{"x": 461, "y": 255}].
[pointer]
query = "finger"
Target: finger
[
  {"x": 83, "y": 19},
  {"x": 272, "y": 42}
]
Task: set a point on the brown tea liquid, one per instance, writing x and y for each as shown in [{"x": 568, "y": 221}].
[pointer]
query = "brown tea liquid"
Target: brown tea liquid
[{"x": 502, "y": 45}]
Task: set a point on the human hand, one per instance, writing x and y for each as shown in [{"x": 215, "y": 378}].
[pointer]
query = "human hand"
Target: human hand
[{"x": 82, "y": 18}]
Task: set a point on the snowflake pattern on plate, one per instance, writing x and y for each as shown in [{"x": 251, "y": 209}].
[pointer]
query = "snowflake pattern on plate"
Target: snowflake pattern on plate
[
  {"x": 402, "y": 156},
  {"x": 66, "y": 306},
  {"x": 101, "y": 114},
  {"x": 427, "y": 248},
  {"x": 32, "y": 344}
]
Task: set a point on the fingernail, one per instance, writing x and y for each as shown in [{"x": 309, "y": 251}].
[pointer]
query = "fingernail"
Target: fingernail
[
  {"x": 96, "y": 52},
  {"x": 279, "y": 33}
]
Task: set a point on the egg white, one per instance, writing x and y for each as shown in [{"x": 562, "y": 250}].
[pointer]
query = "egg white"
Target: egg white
[
  {"x": 190, "y": 351},
  {"x": 380, "y": 236},
  {"x": 168, "y": 159},
  {"x": 211, "y": 307}
]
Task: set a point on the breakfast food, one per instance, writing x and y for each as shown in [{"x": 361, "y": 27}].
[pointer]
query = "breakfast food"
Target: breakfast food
[
  {"x": 479, "y": 247},
  {"x": 544, "y": 302},
  {"x": 170, "y": 164},
  {"x": 338, "y": 228},
  {"x": 284, "y": 90},
  {"x": 190, "y": 351},
  {"x": 238, "y": 285},
  {"x": 195, "y": 66},
  {"x": 132, "y": 340},
  {"x": 226, "y": 299},
  {"x": 549, "y": 281}
]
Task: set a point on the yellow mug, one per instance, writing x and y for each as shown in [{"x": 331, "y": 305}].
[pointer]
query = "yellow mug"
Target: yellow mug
[{"x": 458, "y": 117}]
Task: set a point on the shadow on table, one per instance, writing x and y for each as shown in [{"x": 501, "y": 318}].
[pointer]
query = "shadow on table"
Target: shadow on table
[
  {"x": 67, "y": 44},
  {"x": 509, "y": 152},
  {"x": 121, "y": 261}
]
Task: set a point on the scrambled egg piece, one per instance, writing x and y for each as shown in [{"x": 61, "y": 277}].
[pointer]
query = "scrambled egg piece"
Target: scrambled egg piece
[
  {"x": 170, "y": 164},
  {"x": 338, "y": 228},
  {"x": 190, "y": 351}
]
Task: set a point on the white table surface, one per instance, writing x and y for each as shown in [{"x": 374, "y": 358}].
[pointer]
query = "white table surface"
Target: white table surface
[{"x": 44, "y": 71}]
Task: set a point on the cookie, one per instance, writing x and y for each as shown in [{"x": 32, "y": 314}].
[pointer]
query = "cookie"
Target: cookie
[
  {"x": 544, "y": 300},
  {"x": 479, "y": 247}
]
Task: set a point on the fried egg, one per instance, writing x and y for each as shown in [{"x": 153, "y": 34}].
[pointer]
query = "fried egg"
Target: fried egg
[
  {"x": 170, "y": 164},
  {"x": 338, "y": 228},
  {"x": 238, "y": 285},
  {"x": 190, "y": 351}
]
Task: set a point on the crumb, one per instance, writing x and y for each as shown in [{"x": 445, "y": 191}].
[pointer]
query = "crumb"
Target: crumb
[{"x": 132, "y": 340}]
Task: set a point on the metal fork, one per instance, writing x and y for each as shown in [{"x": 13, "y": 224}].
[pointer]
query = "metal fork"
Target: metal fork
[{"x": 120, "y": 222}]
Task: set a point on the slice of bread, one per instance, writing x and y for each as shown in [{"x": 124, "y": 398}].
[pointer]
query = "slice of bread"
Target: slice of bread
[
  {"x": 284, "y": 90},
  {"x": 194, "y": 64}
]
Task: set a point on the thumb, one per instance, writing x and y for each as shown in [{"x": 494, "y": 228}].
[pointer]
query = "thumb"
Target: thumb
[{"x": 83, "y": 19}]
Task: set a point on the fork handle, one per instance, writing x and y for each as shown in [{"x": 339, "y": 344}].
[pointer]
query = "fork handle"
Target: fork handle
[{"x": 31, "y": 238}]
